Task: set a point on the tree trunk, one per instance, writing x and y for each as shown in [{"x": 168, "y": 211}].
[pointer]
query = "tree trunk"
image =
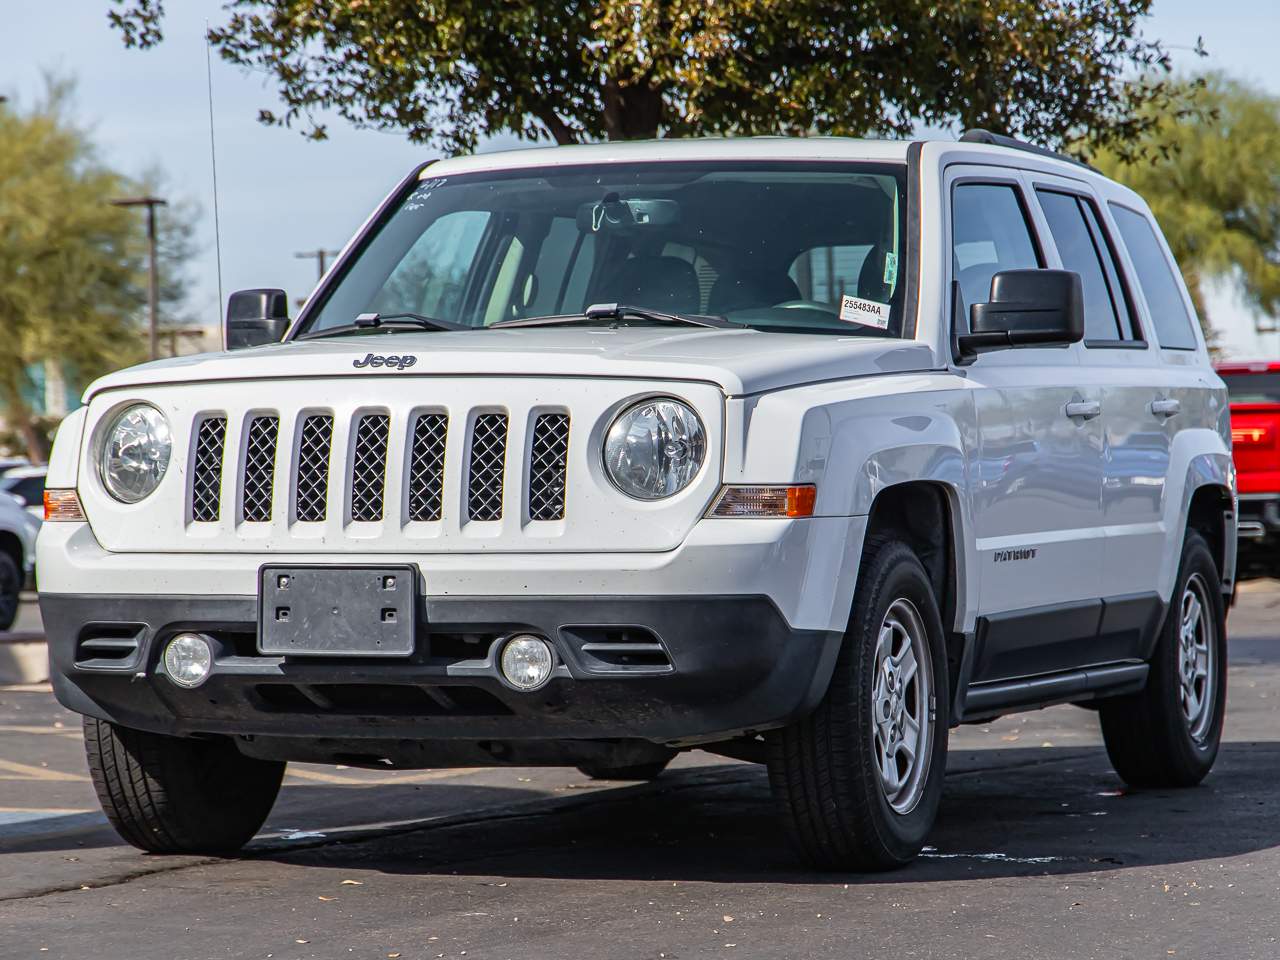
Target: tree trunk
[
  {"x": 20, "y": 419},
  {"x": 632, "y": 111},
  {"x": 560, "y": 131}
]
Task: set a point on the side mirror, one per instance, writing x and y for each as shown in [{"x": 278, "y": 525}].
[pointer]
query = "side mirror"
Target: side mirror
[
  {"x": 1027, "y": 308},
  {"x": 255, "y": 317}
]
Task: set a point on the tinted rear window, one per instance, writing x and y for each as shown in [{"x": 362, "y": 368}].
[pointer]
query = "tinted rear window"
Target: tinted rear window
[
  {"x": 1253, "y": 387},
  {"x": 1157, "y": 280}
]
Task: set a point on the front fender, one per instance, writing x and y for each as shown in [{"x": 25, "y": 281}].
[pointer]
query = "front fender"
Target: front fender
[{"x": 854, "y": 439}]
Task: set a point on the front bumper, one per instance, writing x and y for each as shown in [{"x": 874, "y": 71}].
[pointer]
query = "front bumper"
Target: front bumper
[{"x": 723, "y": 665}]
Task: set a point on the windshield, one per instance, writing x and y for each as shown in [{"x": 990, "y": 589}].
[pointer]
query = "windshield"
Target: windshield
[{"x": 810, "y": 247}]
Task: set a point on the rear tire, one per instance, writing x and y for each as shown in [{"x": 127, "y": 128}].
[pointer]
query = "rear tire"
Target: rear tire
[
  {"x": 10, "y": 591},
  {"x": 178, "y": 795},
  {"x": 858, "y": 781},
  {"x": 637, "y": 771},
  {"x": 1168, "y": 735}
]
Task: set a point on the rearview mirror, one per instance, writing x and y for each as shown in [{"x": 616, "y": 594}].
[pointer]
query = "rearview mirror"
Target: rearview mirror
[
  {"x": 1027, "y": 308},
  {"x": 615, "y": 214},
  {"x": 255, "y": 317}
]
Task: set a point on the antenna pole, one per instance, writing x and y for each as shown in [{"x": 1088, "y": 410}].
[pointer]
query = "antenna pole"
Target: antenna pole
[{"x": 213, "y": 163}]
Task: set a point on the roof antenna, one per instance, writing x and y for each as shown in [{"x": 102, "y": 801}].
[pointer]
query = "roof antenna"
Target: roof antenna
[{"x": 213, "y": 162}]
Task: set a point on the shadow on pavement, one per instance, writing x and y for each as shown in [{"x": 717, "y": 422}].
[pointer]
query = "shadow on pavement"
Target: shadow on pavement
[
  {"x": 302, "y": 808},
  {"x": 1006, "y": 813}
]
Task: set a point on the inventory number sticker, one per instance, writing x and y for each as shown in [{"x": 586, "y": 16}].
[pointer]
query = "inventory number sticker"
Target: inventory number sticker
[{"x": 869, "y": 313}]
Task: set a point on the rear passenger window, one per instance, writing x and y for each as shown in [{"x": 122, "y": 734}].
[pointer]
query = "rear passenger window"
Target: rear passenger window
[
  {"x": 989, "y": 233},
  {"x": 1156, "y": 278},
  {"x": 1084, "y": 250}
]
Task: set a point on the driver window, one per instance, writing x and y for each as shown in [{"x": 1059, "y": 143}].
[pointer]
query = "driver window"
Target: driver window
[{"x": 989, "y": 233}]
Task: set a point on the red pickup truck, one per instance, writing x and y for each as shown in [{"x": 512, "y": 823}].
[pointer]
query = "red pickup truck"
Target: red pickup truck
[{"x": 1255, "y": 436}]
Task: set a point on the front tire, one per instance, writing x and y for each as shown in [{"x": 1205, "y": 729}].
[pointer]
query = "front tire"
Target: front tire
[
  {"x": 858, "y": 781},
  {"x": 10, "y": 591},
  {"x": 177, "y": 795},
  {"x": 1168, "y": 735}
]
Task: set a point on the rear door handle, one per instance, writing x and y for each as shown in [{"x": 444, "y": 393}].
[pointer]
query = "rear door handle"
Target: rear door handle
[
  {"x": 1165, "y": 408},
  {"x": 1084, "y": 409}
]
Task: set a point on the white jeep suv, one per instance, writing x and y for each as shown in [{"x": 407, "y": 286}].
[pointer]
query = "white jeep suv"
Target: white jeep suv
[{"x": 795, "y": 450}]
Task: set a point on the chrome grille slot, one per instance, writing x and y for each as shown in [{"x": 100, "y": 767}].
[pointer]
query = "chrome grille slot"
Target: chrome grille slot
[
  {"x": 260, "y": 468},
  {"x": 311, "y": 479},
  {"x": 486, "y": 466},
  {"x": 369, "y": 467},
  {"x": 548, "y": 463},
  {"x": 426, "y": 467},
  {"x": 206, "y": 470}
]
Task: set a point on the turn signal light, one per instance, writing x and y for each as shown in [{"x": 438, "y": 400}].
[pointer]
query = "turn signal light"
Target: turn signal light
[
  {"x": 793, "y": 501},
  {"x": 62, "y": 505}
]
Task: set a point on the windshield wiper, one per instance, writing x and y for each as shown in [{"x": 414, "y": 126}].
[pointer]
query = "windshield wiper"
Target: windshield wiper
[
  {"x": 619, "y": 313},
  {"x": 371, "y": 322}
]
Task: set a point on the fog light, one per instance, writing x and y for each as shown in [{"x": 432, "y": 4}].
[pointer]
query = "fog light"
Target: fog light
[
  {"x": 527, "y": 662},
  {"x": 188, "y": 659}
]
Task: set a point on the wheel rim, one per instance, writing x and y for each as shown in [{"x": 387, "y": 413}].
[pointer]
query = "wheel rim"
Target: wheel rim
[
  {"x": 900, "y": 701},
  {"x": 9, "y": 590},
  {"x": 1197, "y": 658}
]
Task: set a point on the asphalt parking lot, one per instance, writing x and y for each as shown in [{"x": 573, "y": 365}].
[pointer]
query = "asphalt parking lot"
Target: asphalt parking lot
[{"x": 1039, "y": 852}]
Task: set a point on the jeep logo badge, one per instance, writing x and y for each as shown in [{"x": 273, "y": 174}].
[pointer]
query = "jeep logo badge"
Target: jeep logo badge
[{"x": 374, "y": 360}]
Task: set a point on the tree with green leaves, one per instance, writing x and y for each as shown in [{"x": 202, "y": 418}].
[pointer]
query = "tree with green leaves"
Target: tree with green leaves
[
  {"x": 72, "y": 267},
  {"x": 449, "y": 72},
  {"x": 1212, "y": 178}
]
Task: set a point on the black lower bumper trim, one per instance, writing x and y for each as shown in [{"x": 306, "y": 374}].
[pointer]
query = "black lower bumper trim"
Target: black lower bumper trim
[{"x": 666, "y": 669}]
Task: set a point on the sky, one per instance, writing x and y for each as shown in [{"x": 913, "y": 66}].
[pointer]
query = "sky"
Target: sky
[{"x": 280, "y": 194}]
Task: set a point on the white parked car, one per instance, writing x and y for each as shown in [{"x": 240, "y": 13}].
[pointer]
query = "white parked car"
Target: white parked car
[
  {"x": 800, "y": 451},
  {"x": 26, "y": 484},
  {"x": 18, "y": 529}
]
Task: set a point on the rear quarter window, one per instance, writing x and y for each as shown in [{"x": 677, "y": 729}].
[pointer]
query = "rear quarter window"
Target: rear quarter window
[{"x": 1173, "y": 322}]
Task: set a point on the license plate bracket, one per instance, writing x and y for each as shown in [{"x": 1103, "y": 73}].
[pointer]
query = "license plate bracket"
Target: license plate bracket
[{"x": 337, "y": 611}]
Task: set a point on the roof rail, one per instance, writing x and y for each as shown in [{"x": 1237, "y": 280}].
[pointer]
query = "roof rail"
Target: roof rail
[{"x": 978, "y": 135}]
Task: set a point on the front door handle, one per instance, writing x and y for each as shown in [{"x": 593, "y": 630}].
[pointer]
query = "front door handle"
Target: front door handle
[
  {"x": 1084, "y": 409},
  {"x": 1165, "y": 408}
]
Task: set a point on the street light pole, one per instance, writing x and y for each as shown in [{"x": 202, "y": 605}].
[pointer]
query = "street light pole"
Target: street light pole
[{"x": 153, "y": 278}]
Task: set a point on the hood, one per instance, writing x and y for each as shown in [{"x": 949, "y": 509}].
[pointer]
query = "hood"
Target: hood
[{"x": 740, "y": 361}]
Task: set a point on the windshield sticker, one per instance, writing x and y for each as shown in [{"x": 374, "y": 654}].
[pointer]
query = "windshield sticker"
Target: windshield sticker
[
  {"x": 869, "y": 313},
  {"x": 890, "y": 268}
]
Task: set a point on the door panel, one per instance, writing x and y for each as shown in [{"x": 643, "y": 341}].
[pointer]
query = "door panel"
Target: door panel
[
  {"x": 1116, "y": 361},
  {"x": 1038, "y": 477},
  {"x": 1037, "y": 505}
]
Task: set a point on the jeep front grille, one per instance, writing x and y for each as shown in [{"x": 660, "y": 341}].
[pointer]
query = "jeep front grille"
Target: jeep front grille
[
  {"x": 311, "y": 482},
  {"x": 260, "y": 468},
  {"x": 426, "y": 467},
  {"x": 206, "y": 470},
  {"x": 488, "y": 463},
  {"x": 369, "y": 467},
  {"x": 548, "y": 463},
  {"x": 391, "y": 467}
]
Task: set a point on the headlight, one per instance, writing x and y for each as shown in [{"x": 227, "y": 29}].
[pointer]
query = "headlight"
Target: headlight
[
  {"x": 135, "y": 453},
  {"x": 655, "y": 448}
]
